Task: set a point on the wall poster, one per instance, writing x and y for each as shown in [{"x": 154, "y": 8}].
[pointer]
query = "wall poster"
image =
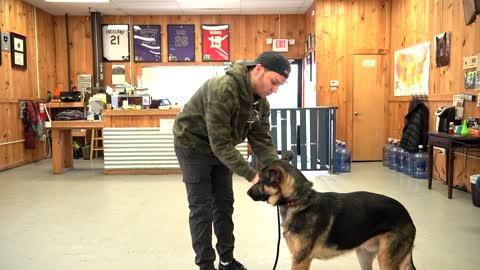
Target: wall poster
[
  {"x": 116, "y": 42},
  {"x": 215, "y": 43},
  {"x": 181, "y": 42},
  {"x": 412, "y": 70},
  {"x": 147, "y": 43}
]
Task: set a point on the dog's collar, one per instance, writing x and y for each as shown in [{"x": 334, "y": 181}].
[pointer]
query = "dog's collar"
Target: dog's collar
[{"x": 291, "y": 204}]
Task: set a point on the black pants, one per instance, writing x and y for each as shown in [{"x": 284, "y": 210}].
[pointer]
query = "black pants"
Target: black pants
[{"x": 210, "y": 199}]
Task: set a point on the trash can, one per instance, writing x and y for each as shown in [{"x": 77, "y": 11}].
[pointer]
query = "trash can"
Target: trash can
[
  {"x": 86, "y": 151},
  {"x": 475, "y": 181}
]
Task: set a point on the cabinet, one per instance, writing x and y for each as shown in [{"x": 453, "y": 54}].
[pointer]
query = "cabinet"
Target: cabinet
[{"x": 56, "y": 107}]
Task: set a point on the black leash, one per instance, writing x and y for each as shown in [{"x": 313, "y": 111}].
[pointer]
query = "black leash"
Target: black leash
[{"x": 278, "y": 240}]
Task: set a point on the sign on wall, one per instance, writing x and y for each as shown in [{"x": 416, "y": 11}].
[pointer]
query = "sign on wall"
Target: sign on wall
[
  {"x": 147, "y": 42},
  {"x": 116, "y": 42},
  {"x": 215, "y": 43},
  {"x": 181, "y": 42},
  {"x": 280, "y": 45}
]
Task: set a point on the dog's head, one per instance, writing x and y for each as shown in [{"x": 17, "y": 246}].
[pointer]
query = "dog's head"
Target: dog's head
[{"x": 280, "y": 183}]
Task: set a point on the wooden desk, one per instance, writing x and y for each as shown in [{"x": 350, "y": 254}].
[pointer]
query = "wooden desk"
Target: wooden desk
[
  {"x": 62, "y": 147},
  {"x": 450, "y": 143}
]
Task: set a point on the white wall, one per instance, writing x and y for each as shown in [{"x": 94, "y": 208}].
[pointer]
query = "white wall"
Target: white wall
[{"x": 177, "y": 83}]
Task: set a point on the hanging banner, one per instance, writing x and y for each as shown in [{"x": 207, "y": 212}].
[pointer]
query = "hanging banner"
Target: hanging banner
[
  {"x": 116, "y": 42},
  {"x": 147, "y": 42},
  {"x": 181, "y": 42},
  {"x": 215, "y": 43}
]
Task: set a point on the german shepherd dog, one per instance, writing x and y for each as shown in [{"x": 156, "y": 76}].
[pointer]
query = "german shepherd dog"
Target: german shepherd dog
[{"x": 323, "y": 225}]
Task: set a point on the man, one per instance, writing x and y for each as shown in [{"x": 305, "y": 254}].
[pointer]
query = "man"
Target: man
[{"x": 220, "y": 115}]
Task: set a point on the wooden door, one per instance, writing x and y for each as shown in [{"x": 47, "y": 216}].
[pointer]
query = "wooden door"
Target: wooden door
[{"x": 369, "y": 89}]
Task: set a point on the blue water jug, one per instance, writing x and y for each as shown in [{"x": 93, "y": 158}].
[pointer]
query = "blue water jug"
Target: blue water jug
[
  {"x": 346, "y": 155},
  {"x": 399, "y": 167},
  {"x": 408, "y": 166},
  {"x": 393, "y": 156},
  {"x": 338, "y": 158},
  {"x": 420, "y": 166},
  {"x": 386, "y": 153}
]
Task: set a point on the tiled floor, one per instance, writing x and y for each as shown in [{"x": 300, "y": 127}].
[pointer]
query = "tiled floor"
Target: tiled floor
[{"x": 83, "y": 219}]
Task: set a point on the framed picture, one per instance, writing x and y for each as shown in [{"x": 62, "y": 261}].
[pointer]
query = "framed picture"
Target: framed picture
[
  {"x": 147, "y": 43},
  {"x": 19, "y": 51},
  {"x": 181, "y": 42},
  {"x": 215, "y": 43},
  {"x": 442, "y": 49},
  {"x": 309, "y": 40},
  {"x": 310, "y": 65},
  {"x": 116, "y": 42}
]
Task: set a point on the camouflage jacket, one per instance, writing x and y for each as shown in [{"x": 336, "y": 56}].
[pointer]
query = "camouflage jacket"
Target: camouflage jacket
[{"x": 215, "y": 119}]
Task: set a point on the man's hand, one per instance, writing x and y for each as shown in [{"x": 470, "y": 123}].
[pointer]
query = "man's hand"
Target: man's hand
[{"x": 255, "y": 179}]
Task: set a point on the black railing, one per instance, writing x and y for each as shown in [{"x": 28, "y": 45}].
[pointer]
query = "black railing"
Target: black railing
[{"x": 309, "y": 133}]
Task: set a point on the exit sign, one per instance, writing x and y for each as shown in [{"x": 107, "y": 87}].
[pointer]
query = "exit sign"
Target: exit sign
[{"x": 280, "y": 45}]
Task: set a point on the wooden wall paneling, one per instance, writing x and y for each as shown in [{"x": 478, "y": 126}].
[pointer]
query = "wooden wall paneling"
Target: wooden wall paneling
[
  {"x": 310, "y": 26},
  {"x": 46, "y": 53},
  {"x": 432, "y": 18},
  {"x": 344, "y": 28},
  {"x": 19, "y": 17},
  {"x": 61, "y": 53},
  {"x": 81, "y": 51},
  {"x": 4, "y": 79}
]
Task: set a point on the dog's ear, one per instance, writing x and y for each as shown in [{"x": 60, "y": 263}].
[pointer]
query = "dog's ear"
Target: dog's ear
[
  {"x": 275, "y": 175},
  {"x": 287, "y": 156}
]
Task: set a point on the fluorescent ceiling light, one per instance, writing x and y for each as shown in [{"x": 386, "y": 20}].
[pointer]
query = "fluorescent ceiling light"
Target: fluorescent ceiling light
[{"x": 78, "y": 1}]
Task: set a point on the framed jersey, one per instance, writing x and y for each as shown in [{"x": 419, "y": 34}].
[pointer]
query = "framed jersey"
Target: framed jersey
[
  {"x": 215, "y": 42},
  {"x": 116, "y": 42}
]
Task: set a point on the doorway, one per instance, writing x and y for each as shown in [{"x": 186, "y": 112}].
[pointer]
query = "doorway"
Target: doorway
[
  {"x": 369, "y": 90},
  {"x": 289, "y": 95}
]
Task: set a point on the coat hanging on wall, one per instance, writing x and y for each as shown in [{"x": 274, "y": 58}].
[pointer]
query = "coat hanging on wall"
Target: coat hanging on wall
[{"x": 471, "y": 8}]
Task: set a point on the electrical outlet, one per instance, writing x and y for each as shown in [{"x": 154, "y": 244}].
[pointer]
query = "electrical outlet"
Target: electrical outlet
[{"x": 442, "y": 150}]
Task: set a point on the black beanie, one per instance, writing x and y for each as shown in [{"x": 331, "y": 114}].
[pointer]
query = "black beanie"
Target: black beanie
[{"x": 275, "y": 62}]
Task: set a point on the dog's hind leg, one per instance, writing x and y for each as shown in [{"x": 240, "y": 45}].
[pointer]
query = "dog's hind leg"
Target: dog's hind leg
[
  {"x": 396, "y": 249},
  {"x": 365, "y": 258},
  {"x": 367, "y": 252},
  {"x": 407, "y": 262}
]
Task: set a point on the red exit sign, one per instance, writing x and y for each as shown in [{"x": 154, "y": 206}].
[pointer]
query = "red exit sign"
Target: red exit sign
[{"x": 280, "y": 45}]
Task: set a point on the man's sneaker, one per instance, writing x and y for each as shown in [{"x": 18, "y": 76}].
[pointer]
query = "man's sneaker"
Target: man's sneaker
[{"x": 233, "y": 265}]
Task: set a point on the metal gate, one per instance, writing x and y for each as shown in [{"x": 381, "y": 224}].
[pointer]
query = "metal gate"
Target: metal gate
[{"x": 309, "y": 133}]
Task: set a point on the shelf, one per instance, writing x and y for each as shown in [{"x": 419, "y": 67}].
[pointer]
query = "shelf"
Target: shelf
[
  {"x": 79, "y": 132},
  {"x": 65, "y": 105}
]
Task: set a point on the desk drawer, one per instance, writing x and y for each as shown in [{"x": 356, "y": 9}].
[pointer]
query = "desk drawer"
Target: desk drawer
[{"x": 439, "y": 141}]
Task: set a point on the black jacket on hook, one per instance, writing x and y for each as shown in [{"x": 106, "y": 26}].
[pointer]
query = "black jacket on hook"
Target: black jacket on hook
[{"x": 415, "y": 131}]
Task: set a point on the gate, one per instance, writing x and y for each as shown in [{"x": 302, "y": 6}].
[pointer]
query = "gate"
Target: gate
[{"x": 309, "y": 133}]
